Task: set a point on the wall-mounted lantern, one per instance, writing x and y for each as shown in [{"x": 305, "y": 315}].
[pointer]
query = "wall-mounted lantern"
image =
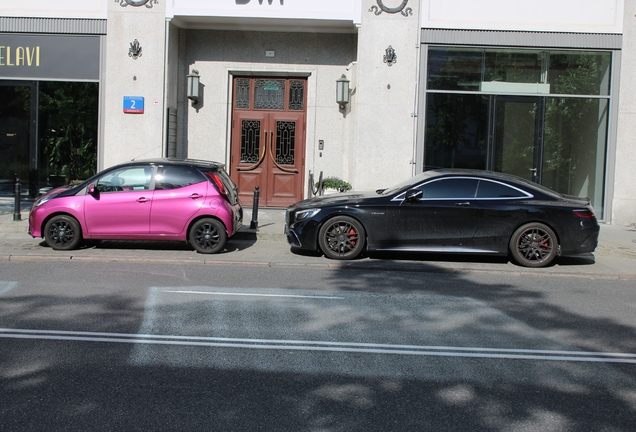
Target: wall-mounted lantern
[
  {"x": 193, "y": 86},
  {"x": 342, "y": 91}
]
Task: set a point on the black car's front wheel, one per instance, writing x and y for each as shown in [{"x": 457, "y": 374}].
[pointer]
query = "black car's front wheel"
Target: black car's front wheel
[
  {"x": 208, "y": 236},
  {"x": 534, "y": 245},
  {"x": 63, "y": 232},
  {"x": 342, "y": 237}
]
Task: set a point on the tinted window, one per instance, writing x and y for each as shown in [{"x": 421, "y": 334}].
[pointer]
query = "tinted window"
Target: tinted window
[
  {"x": 450, "y": 189},
  {"x": 489, "y": 189},
  {"x": 125, "y": 180},
  {"x": 173, "y": 177}
]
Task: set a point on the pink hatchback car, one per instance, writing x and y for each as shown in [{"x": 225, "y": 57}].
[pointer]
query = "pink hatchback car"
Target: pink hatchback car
[{"x": 161, "y": 199}]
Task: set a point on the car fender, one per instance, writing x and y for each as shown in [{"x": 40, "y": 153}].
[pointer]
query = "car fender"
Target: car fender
[{"x": 62, "y": 206}]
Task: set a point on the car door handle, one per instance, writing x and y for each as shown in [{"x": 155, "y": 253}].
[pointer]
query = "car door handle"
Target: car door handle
[
  {"x": 463, "y": 204},
  {"x": 196, "y": 196},
  {"x": 143, "y": 200}
]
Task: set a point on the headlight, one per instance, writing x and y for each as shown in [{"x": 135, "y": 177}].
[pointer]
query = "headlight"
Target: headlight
[
  {"x": 305, "y": 214},
  {"x": 40, "y": 201}
]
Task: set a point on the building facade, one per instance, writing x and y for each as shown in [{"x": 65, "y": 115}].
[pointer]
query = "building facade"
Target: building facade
[{"x": 539, "y": 90}]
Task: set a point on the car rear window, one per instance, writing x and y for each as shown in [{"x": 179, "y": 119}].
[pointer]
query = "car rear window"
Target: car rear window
[
  {"x": 493, "y": 190},
  {"x": 174, "y": 177}
]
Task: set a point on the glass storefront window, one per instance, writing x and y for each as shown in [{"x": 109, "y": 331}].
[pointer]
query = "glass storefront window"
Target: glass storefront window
[
  {"x": 562, "y": 72},
  {"x": 456, "y": 131},
  {"x": 539, "y": 114},
  {"x": 15, "y": 136},
  {"x": 574, "y": 147}
]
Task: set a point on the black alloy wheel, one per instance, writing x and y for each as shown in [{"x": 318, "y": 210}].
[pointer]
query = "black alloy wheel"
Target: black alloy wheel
[
  {"x": 342, "y": 238},
  {"x": 534, "y": 245},
  {"x": 208, "y": 236},
  {"x": 63, "y": 233}
]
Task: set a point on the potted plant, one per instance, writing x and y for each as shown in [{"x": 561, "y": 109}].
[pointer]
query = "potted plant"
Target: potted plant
[{"x": 334, "y": 184}]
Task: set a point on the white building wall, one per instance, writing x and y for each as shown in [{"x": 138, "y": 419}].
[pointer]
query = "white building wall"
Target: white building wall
[
  {"x": 384, "y": 100},
  {"x": 134, "y": 136},
  {"x": 579, "y": 16},
  {"x": 95, "y": 9},
  {"x": 624, "y": 203}
]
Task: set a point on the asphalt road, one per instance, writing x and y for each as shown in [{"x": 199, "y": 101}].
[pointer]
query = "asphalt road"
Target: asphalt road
[{"x": 110, "y": 346}]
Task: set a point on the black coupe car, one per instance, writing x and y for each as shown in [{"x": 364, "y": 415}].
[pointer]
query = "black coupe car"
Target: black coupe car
[{"x": 448, "y": 211}]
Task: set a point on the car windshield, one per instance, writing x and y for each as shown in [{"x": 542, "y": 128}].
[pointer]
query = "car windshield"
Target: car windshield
[{"x": 409, "y": 182}]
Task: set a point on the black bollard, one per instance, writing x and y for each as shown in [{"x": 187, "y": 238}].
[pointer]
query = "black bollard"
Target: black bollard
[
  {"x": 254, "y": 224},
  {"x": 17, "y": 192}
]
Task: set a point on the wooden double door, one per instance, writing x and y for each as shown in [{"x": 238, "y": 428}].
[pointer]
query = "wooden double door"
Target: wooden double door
[{"x": 268, "y": 139}]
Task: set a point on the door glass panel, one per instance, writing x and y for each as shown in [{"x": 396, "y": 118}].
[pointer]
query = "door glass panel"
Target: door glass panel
[
  {"x": 515, "y": 138},
  {"x": 285, "y": 142},
  {"x": 250, "y": 141},
  {"x": 450, "y": 189},
  {"x": 243, "y": 93},
  {"x": 269, "y": 94},
  {"x": 296, "y": 95},
  {"x": 575, "y": 147},
  {"x": 15, "y": 136},
  {"x": 126, "y": 180}
]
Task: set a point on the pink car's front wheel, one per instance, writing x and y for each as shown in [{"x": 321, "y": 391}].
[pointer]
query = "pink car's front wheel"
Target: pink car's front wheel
[
  {"x": 208, "y": 236},
  {"x": 63, "y": 232}
]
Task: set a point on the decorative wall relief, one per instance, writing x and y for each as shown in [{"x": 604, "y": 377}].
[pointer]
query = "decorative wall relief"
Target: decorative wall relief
[
  {"x": 135, "y": 50},
  {"x": 137, "y": 3},
  {"x": 390, "y": 58},
  {"x": 382, "y": 8}
]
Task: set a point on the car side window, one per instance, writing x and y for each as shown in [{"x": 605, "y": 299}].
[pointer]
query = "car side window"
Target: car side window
[
  {"x": 174, "y": 177},
  {"x": 125, "y": 180},
  {"x": 452, "y": 188},
  {"x": 493, "y": 190}
]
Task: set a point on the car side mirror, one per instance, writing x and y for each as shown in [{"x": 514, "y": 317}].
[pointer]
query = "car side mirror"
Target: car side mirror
[
  {"x": 92, "y": 190},
  {"x": 413, "y": 194}
]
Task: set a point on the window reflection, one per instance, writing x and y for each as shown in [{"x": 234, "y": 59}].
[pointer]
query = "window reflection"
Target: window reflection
[{"x": 565, "y": 72}]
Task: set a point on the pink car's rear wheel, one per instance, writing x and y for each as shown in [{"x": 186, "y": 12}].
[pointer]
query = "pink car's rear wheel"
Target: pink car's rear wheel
[{"x": 208, "y": 236}]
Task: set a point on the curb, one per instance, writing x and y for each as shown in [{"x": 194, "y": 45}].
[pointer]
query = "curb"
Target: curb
[{"x": 392, "y": 266}]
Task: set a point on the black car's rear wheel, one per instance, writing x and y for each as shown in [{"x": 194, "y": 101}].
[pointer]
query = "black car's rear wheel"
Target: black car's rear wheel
[
  {"x": 63, "y": 232},
  {"x": 342, "y": 237},
  {"x": 534, "y": 245},
  {"x": 208, "y": 236}
]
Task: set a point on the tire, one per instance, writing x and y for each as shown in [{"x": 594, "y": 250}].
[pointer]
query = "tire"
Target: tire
[
  {"x": 534, "y": 245},
  {"x": 63, "y": 233},
  {"x": 342, "y": 238},
  {"x": 208, "y": 236}
]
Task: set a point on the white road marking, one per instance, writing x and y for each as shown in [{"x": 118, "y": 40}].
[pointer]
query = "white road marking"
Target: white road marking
[
  {"x": 308, "y": 345},
  {"x": 253, "y": 295},
  {"x": 6, "y": 286}
]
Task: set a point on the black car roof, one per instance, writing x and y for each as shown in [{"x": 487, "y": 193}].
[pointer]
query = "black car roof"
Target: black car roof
[
  {"x": 177, "y": 161},
  {"x": 495, "y": 176}
]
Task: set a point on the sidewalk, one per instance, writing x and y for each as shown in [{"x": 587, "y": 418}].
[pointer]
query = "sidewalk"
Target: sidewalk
[{"x": 615, "y": 257}]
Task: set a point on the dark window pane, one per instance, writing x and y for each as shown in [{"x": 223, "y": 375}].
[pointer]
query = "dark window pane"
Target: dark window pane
[
  {"x": 177, "y": 177},
  {"x": 450, "y": 189},
  {"x": 489, "y": 189},
  {"x": 456, "y": 131},
  {"x": 581, "y": 73},
  {"x": 454, "y": 68}
]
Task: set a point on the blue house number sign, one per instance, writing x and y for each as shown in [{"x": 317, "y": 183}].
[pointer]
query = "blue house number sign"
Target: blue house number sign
[{"x": 133, "y": 104}]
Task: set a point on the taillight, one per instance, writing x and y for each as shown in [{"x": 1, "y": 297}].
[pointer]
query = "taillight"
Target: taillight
[
  {"x": 584, "y": 214},
  {"x": 218, "y": 183}
]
